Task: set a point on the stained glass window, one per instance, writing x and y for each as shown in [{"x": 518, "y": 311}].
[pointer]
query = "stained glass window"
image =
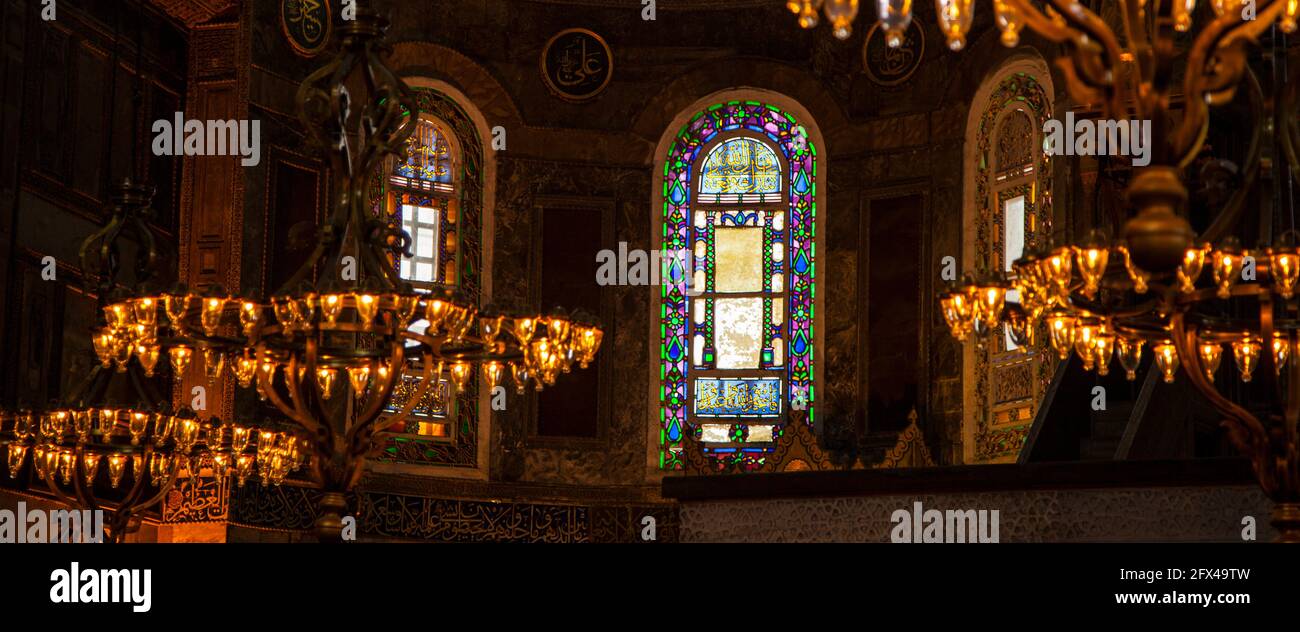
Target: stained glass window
[
  {"x": 423, "y": 195},
  {"x": 736, "y": 346},
  {"x": 435, "y": 194}
]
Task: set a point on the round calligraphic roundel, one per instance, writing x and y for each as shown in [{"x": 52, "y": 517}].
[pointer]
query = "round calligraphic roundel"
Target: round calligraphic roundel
[
  {"x": 577, "y": 64},
  {"x": 891, "y": 66},
  {"x": 307, "y": 24}
]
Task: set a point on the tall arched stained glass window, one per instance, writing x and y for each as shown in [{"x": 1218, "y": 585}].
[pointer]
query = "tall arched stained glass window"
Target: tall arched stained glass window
[
  {"x": 1010, "y": 201},
  {"x": 434, "y": 193},
  {"x": 736, "y": 350}
]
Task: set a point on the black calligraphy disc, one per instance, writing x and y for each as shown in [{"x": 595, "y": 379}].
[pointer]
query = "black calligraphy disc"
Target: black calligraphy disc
[
  {"x": 306, "y": 24},
  {"x": 892, "y": 66},
  {"x": 577, "y": 64}
]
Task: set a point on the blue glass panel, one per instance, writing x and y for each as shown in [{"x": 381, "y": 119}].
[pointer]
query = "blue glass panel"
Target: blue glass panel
[{"x": 740, "y": 166}]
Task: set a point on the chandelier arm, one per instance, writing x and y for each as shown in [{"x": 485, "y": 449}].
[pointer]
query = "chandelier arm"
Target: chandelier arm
[
  {"x": 324, "y": 432},
  {"x": 1222, "y": 40},
  {"x": 1291, "y": 415},
  {"x": 1039, "y": 22},
  {"x": 1090, "y": 69},
  {"x": 1244, "y": 429},
  {"x": 163, "y": 489},
  {"x": 99, "y": 387},
  {"x": 1289, "y": 121},
  {"x": 1135, "y": 32},
  {"x": 267, "y": 386},
  {"x": 317, "y": 107},
  {"x": 144, "y": 389},
  {"x": 1087, "y": 22},
  {"x": 307, "y": 392},
  {"x": 108, "y": 251},
  {"x": 77, "y": 397},
  {"x": 144, "y": 266},
  {"x": 426, "y": 379},
  {"x": 370, "y": 412},
  {"x": 1081, "y": 90},
  {"x": 303, "y": 271},
  {"x": 1227, "y": 217},
  {"x": 1266, "y": 327},
  {"x": 58, "y": 493},
  {"x": 85, "y": 493},
  {"x": 137, "y": 484}
]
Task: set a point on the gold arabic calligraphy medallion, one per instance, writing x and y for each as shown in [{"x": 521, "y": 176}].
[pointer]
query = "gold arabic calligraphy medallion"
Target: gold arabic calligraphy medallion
[{"x": 577, "y": 64}]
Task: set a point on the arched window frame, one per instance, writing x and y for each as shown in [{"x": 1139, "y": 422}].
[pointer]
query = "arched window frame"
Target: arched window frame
[
  {"x": 797, "y": 143},
  {"x": 461, "y": 446},
  {"x": 1008, "y": 383}
]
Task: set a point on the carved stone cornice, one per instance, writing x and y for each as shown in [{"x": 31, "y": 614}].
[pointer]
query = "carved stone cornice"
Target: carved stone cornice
[{"x": 193, "y": 12}]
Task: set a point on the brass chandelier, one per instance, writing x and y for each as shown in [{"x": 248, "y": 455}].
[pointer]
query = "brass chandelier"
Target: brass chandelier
[
  {"x": 115, "y": 443},
  {"x": 955, "y": 17},
  {"x": 84, "y": 448},
  {"x": 1157, "y": 286},
  {"x": 328, "y": 354}
]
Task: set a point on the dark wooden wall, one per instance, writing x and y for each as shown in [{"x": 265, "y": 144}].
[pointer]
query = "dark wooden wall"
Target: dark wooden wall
[{"x": 66, "y": 125}]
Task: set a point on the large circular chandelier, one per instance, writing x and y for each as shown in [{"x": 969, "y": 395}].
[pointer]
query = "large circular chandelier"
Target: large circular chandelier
[
  {"x": 328, "y": 348},
  {"x": 115, "y": 443},
  {"x": 1157, "y": 287}
]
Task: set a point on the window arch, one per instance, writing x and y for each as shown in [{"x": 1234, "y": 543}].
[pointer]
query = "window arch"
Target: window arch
[
  {"x": 736, "y": 309},
  {"x": 1008, "y": 213}
]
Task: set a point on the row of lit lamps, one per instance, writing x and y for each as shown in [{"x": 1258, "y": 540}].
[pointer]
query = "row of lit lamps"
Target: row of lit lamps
[
  {"x": 549, "y": 345},
  {"x": 1043, "y": 284},
  {"x": 956, "y": 16},
  {"x": 55, "y": 437}
]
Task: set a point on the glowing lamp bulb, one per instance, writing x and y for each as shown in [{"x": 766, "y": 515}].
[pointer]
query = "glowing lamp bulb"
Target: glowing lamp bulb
[
  {"x": 180, "y": 359},
  {"x": 1281, "y": 351},
  {"x": 367, "y": 307},
  {"x": 210, "y": 316},
  {"x": 1246, "y": 353},
  {"x": 1092, "y": 258},
  {"x": 1103, "y": 349},
  {"x": 1166, "y": 359},
  {"x": 1227, "y": 263},
  {"x": 1129, "y": 351},
  {"x": 358, "y": 377},
  {"x": 325, "y": 380},
  {"x": 1060, "y": 326},
  {"x": 1211, "y": 354},
  {"x": 1284, "y": 267},
  {"x": 1190, "y": 269},
  {"x": 330, "y": 307},
  {"x": 1085, "y": 336}
]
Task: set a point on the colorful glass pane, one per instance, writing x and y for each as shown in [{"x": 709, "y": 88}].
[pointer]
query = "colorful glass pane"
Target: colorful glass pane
[
  {"x": 739, "y": 260},
  {"x": 737, "y": 397},
  {"x": 428, "y": 155},
  {"x": 738, "y": 330},
  {"x": 740, "y": 166}
]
